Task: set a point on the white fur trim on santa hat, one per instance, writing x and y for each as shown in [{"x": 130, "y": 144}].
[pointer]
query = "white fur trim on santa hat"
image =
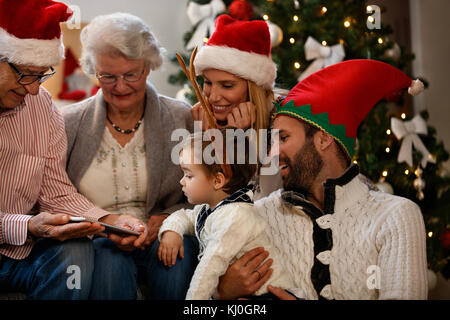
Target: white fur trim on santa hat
[
  {"x": 31, "y": 52},
  {"x": 247, "y": 65}
]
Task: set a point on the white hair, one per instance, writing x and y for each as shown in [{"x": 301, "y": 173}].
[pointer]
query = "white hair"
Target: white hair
[{"x": 119, "y": 34}]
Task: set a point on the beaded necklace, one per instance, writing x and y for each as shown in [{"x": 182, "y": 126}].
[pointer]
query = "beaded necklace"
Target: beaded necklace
[{"x": 128, "y": 131}]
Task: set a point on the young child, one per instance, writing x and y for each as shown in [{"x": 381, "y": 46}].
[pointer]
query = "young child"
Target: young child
[{"x": 223, "y": 220}]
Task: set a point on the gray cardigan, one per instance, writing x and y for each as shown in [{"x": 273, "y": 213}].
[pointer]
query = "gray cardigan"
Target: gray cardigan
[{"x": 85, "y": 123}]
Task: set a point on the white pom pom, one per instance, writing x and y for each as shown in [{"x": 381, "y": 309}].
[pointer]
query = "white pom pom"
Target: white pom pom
[{"x": 416, "y": 88}]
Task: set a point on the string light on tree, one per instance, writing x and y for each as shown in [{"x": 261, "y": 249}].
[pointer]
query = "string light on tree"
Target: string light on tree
[
  {"x": 292, "y": 40},
  {"x": 388, "y": 150},
  {"x": 295, "y": 18},
  {"x": 324, "y": 10},
  {"x": 297, "y": 65},
  {"x": 388, "y": 132},
  {"x": 266, "y": 17},
  {"x": 380, "y": 40},
  {"x": 347, "y": 23},
  {"x": 324, "y": 43},
  {"x": 419, "y": 183}
]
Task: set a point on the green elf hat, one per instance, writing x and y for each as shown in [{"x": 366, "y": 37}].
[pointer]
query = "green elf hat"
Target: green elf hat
[{"x": 337, "y": 98}]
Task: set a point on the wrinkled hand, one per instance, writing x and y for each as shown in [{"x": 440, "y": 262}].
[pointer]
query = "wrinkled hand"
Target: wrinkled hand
[
  {"x": 240, "y": 279},
  {"x": 171, "y": 243},
  {"x": 123, "y": 241},
  {"x": 56, "y": 226},
  {"x": 153, "y": 226},
  {"x": 280, "y": 293}
]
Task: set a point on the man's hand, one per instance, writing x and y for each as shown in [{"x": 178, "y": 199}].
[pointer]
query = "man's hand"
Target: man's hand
[
  {"x": 246, "y": 275},
  {"x": 56, "y": 226},
  {"x": 171, "y": 244},
  {"x": 153, "y": 226},
  {"x": 127, "y": 242},
  {"x": 280, "y": 293}
]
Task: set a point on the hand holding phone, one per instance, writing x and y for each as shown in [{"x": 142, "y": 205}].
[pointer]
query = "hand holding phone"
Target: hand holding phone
[{"x": 108, "y": 227}]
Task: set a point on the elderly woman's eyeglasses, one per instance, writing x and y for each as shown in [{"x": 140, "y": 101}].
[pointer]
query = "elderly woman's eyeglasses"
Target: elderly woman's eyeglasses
[
  {"x": 26, "y": 79},
  {"x": 128, "y": 77}
]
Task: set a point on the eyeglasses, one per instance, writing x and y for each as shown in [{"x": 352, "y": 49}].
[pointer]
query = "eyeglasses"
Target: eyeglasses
[
  {"x": 128, "y": 77},
  {"x": 26, "y": 79}
]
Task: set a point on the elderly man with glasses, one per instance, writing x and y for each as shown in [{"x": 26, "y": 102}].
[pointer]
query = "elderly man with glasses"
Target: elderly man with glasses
[{"x": 41, "y": 254}]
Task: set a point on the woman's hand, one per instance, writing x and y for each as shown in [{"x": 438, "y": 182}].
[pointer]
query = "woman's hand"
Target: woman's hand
[
  {"x": 242, "y": 116},
  {"x": 198, "y": 114},
  {"x": 246, "y": 275},
  {"x": 56, "y": 226},
  {"x": 127, "y": 242},
  {"x": 171, "y": 243}
]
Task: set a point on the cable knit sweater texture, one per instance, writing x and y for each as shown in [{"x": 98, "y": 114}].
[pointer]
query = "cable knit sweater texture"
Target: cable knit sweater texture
[
  {"x": 378, "y": 244},
  {"x": 228, "y": 233}
]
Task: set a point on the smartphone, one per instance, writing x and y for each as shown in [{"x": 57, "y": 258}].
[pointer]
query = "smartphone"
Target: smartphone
[{"x": 108, "y": 227}]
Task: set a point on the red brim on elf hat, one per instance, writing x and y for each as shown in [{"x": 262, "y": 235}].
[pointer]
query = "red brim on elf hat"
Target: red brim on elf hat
[{"x": 241, "y": 48}]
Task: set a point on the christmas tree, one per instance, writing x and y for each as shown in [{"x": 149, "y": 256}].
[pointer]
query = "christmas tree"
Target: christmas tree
[{"x": 311, "y": 34}]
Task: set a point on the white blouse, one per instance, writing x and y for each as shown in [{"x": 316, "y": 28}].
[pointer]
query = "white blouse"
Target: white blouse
[{"x": 116, "y": 179}]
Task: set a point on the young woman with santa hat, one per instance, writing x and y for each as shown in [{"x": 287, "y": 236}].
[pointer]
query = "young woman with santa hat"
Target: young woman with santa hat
[{"x": 239, "y": 75}]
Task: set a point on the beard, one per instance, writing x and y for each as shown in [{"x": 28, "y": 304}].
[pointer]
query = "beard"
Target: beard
[{"x": 303, "y": 170}]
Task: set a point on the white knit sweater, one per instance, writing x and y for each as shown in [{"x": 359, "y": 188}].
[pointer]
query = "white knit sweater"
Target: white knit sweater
[{"x": 378, "y": 249}]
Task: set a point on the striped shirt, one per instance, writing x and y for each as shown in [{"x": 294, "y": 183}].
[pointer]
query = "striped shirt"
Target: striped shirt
[{"x": 32, "y": 172}]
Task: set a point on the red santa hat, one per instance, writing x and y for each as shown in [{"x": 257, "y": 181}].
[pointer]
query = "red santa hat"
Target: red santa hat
[
  {"x": 30, "y": 33},
  {"x": 241, "y": 48},
  {"x": 336, "y": 99}
]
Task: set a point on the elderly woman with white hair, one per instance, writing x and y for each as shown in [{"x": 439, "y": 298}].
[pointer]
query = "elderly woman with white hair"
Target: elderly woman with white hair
[{"x": 119, "y": 147}]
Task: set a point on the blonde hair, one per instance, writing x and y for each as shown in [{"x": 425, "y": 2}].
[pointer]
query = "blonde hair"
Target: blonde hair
[{"x": 262, "y": 99}]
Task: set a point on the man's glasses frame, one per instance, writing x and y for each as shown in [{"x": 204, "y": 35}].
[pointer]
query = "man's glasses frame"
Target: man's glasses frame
[{"x": 26, "y": 79}]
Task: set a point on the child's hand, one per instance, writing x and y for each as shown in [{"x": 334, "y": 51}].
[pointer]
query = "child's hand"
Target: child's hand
[{"x": 171, "y": 242}]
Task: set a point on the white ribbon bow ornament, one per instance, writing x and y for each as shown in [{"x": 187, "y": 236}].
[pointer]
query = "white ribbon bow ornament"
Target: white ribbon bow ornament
[
  {"x": 325, "y": 56},
  {"x": 205, "y": 14},
  {"x": 408, "y": 131}
]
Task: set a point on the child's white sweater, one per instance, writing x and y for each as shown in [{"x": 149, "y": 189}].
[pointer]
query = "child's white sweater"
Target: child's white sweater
[{"x": 229, "y": 232}]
